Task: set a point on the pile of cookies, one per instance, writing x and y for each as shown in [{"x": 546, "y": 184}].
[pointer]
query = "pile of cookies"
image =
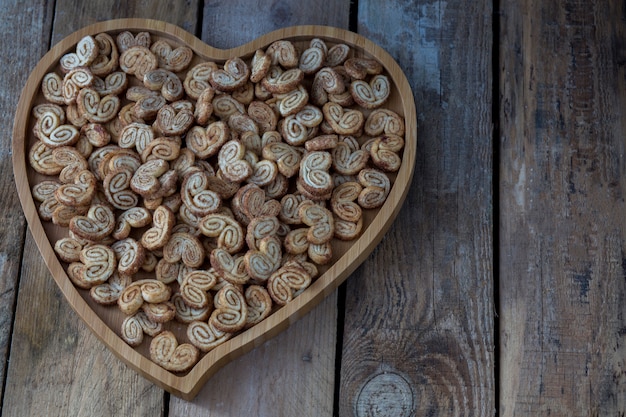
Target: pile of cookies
[{"x": 202, "y": 192}]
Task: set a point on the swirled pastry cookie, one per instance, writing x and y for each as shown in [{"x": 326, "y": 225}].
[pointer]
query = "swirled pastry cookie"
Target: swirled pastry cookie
[{"x": 167, "y": 353}]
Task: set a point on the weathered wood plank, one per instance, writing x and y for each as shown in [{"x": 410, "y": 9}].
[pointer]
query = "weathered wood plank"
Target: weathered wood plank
[
  {"x": 52, "y": 352},
  {"x": 299, "y": 363},
  {"x": 227, "y": 24},
  {"x": 289, "y": 375},
  {"x": 21, "y": 34},
  {"x": 418, "y": 337},
  {"x": 66, "y": 370},
  {"x": 563, "y": 234}
]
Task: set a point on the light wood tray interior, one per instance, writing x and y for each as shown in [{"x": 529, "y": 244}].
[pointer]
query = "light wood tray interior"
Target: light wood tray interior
[{"x": 105, "y": 321}]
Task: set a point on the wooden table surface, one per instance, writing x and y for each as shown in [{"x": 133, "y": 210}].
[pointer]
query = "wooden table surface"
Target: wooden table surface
[{"x": 499, "y": 290}]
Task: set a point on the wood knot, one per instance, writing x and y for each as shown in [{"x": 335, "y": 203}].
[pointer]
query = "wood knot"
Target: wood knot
[{"x": 385, "y": 394}]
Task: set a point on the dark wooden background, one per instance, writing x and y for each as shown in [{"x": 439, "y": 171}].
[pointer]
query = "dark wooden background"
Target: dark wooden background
[{"x": 499, "y": 290}]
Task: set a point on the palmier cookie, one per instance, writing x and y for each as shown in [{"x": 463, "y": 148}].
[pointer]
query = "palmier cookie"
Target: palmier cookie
[
  {"x": 376, "y": 186},
  {"x": 313, "y": 58},
  {"x": 133, "y": 328},
  {"x": 343, "y": 201},
  {"x": 186, "y": 314},
  {"x": 263, "y": 171},
  {"x": 72, "y": 162},
  {"x": 283, "y": 53},
  {"x": 130, "y": 256},
  {"x": 293, "y": 101},
  {"x": 232, "y": 163},
  {"x": 337, "y": 54},
  {"x": 184, "y": 247},
  {"x": 51, "y": 130},
  {"x": 159, "y": 312},
  {"x": 108, "y": 55},
  {"x": 320, "y": 221},
  {"x": 360, "y": 68},
  {"x": 206, "y": 142},
  {"x": 44, "y": 193},
  {"x": 286, "y": 157},
  {"x": 85, "y": 53},
  {"x": 52, "y": 88},
  {"x": 321, "y": 143},
  {"x": 166, "y": 82},
  {"x": 290, "y": 203},
  {"x": 261, "y": 63},
  {"x": 205, "y": 336},
  {"x": 118, "y": 191},
  {"x": 96, "y": 108},
  {"x": 99, "y": 263},
  {"x": 229, "y": 233},
  {"x": 231, "y": 311},
  {"x": 248, "y": 202},
  {"x": 263, "y": 116},
  {"x": 321, "y": 254},
  {"x": 126, "y": 40},
  {"x": 288, "y": 279},
  {"x": 326, "y": 81},
  {"x": 167, "y": 353},
  {"x": 96, "y": 134},
  {"x": 245, "y": 93},
  {"x": 343, "y": 121},
  {"x": 195, "y": 287},
  {"x": 163, "y": 220},
  {"x": 373, "y": 94},
  {"x": 145, "y": 180},
  {"x": 259, "y": 228},
  {"x": 259, "y": 303},
  {"x": 42, "y": 161},
  {"x": 138, "y": 60},
  {"x": 68, "y": 249},
  {"x": 261, "y": 263},
  {"x": 114, "y": 83},
  {"x": 348, "y": 230},
  {"x": 96, "y": 225},
  {"x": 172, "y": 59},
  {"x": 384, "y": 152},
  {"x": 197, "y": 79},
  {"x": 80, "y": 193},
  {"x": 197, "y": 195},
  {"x": 146, "y": 290},
  {"x": 173, "y": 122},
  {"x": 384, "y": 121},
  {"x": 296, "y": 241},
  {"x": 231, "y": 268},
  {"x": 135, "y": 217},
  {"x": 277, "y": 81},
  {"x": 348, "y": 159},
  {"x": 314, "y": 173},
  {"x": 73, "y": 81},
  {"x": 232, "y": 76},
  {"x": 108, "y": 293}
]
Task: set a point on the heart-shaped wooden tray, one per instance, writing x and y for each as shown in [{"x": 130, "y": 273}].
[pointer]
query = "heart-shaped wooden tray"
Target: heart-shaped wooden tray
[{"x": 105, "y": 321}]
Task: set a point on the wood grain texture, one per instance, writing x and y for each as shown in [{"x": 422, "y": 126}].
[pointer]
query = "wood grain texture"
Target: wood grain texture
[
  {"x": 68, "y": 372},
  {"x": 113, "y": 387},
  {"x": 72, "y": 16},
  {"x": 18, "y": 31},
  {"x": 292, "y": 374},
  {"x": 562, "y": 269},
  {"x": 418, "y": 336},
  {"x": 226, "y": 24},
  {"x": 302, "y": 359}
]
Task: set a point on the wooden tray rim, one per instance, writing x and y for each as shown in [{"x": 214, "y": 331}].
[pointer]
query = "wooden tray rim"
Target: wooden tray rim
[{"x": 187, "y": 386}]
